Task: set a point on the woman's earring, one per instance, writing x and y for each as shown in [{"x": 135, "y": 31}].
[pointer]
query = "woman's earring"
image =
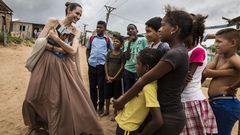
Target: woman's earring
[{"x": 171, "y": 32}]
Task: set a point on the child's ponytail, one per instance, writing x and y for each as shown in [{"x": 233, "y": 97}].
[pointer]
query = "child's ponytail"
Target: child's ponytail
[{"x": 198, "y": 28}]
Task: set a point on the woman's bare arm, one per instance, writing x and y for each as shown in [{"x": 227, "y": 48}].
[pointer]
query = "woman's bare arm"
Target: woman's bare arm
[
  {"x": 49, "y": 25},
  {"x": 55, "y": 49}
]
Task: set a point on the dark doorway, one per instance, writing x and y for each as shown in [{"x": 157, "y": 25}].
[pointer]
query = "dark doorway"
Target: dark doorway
[{"x": 3, "y": 23}]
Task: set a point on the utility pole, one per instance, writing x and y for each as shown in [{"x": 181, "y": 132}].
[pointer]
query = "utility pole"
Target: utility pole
[
  {"x": 85, "y": 33},
  {"x": 109, "y": 10}
]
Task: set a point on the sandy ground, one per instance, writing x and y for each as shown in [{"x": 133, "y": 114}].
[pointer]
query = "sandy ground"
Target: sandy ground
[{"x": 13, "y": 84}]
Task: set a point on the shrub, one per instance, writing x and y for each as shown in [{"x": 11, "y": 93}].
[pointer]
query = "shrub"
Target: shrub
[
  {"x": 1, "y": 38},
  {"x": 15, "y": 40}
]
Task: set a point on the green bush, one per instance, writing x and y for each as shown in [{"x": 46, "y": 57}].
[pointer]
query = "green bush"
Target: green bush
[
  {"x": 15, "y": 40},
  {"x": 32, "y": 40},
  {"x": 10, "y": 39},
  {"x": 1, "y": 37}
]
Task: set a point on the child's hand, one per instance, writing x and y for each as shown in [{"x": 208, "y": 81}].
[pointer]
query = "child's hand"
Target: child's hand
[
  {"x": 189, "y": 77},
  {"x": 109, "y": 81},
  {"x": 127, "y": 54},
  {"x": 229, "y": 91},
  {"x": 111, "y": 78},
  {"x": 117, "y": 104},
  {"x": 132, "y": 38},
  {"x": 107, "y": 77},
  {"x": 205, "y": 72}
]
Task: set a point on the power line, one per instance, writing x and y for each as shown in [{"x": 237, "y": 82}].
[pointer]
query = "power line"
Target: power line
[
  {"x": 97, "y": 15},
  {"x": 124, "y": 2},
  {"x": 114, "y": 2},
  {"x": 107, "y": 3},
  {"x": 100, "y": 12},
  {"x": 124, "y": 18}
]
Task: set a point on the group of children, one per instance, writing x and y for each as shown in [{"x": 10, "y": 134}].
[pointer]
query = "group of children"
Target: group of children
[{"x": 162, "y": 80}]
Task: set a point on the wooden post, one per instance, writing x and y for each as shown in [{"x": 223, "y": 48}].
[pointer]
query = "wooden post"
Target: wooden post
[{"x": 4, "y": 35}]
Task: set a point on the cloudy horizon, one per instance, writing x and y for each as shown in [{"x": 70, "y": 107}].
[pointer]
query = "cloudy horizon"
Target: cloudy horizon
[{"x": 127, "y": 11}]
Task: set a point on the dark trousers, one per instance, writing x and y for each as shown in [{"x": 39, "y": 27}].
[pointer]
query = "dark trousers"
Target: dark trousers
[
  {"x": 129, "y": 79},
  {"x": 173, "y": 123},
  {"x": 96, "y": 80}
]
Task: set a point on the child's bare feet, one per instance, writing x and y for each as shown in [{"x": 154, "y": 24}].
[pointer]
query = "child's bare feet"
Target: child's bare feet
[
  {"x": 104, "y": 114},
  {"x": 113, "y": 118}
]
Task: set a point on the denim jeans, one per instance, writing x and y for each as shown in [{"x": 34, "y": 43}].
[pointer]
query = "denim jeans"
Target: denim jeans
[{"x": 227, "y": 112}]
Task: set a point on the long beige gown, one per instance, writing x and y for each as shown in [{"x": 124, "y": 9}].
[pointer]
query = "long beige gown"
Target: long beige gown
[{"x": 57, "y": 98}]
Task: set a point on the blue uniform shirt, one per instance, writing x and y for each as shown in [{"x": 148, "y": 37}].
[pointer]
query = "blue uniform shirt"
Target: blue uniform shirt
[{"x": 99, "y": 50}]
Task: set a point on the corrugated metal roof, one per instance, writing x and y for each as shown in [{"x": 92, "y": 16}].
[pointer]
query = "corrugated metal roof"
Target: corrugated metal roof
[{"x": 19, "y": 21}]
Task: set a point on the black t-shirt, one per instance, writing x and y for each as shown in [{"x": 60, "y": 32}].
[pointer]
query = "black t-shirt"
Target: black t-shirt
[{"x": 170, "y": 86}]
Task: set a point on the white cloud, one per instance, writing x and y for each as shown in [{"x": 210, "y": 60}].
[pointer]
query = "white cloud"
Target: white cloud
[{"x": 128, "y": 11}]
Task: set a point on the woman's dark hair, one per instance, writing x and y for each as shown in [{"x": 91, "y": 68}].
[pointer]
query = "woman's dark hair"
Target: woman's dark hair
[
  {"x": 181, "y": 19},
  {"x": 154, "y": 23},
  {"x": 198, "y": 28},
  {"x": 149, "y": 56},
  {"x": 70, "y": 6}
]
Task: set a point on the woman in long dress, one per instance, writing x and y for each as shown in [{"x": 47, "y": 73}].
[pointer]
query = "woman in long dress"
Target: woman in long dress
[{"x": 56, "y": 99}]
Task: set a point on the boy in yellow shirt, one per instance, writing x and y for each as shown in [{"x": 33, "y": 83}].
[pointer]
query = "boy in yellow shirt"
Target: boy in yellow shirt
[{"x": 136, "y": 110}]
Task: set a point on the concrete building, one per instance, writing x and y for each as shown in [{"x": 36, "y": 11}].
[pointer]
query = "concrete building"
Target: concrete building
[
  {"x": 5, "y": 17},
  {"x": 26, "y": 29}
]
